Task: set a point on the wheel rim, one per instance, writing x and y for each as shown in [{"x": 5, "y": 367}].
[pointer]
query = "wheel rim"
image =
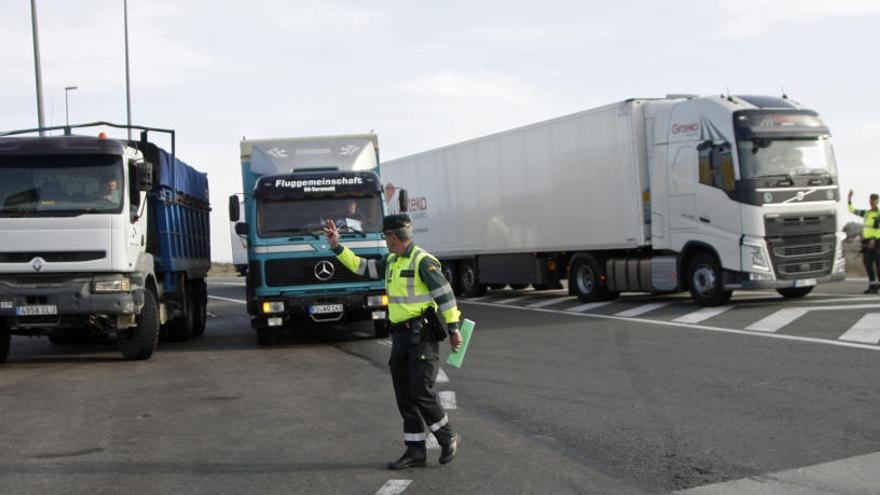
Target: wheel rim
[
  {"x": 447, "y": 272},
  {"x": 704, "y": 280},
  {"x": 584, "y": 279},
  {"x": 468, "y": 278}
]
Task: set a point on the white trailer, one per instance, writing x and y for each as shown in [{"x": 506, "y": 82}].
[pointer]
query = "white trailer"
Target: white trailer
[{"x": 679, "y": 193}]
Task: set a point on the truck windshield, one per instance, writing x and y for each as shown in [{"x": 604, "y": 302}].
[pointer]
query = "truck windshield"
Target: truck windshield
[
  {"x": 786, "y": 158},
  {"x": 279, "y": 218},
  {"x": 54, "y": 185}
]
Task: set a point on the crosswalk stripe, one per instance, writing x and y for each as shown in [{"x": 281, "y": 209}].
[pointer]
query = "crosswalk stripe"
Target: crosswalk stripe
[
  {"x": 481, "y": 298},
  {"x": 640, "y": 310},
  {"x": 588, "y": 306},
  {"x": 511, "y": 299},
  {"x": 702, "y": 314},
  {"x": 777, "y": 320},
  {"x": 548, "y": 302},
  {"x": 394, "y": 487},
  {"x": 447, "y": 399},
  {"x": 866, "y": 330},
  {"x": 442, "y": 377}
]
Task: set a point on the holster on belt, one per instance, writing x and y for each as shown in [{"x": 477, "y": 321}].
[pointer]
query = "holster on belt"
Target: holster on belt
[{"x": 434, "y": 326}]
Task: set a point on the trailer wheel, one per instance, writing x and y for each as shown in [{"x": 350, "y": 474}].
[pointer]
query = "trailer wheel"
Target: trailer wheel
[
  {"x": 451, "y": 275},
  {"x": 470, "y": 284},
  {"x": 140, "y": 341},
  {"x": 5, "y": 344},
  {"x": 794, "y": 292},
  {"x": 585, "y": 282},
  {"x": 267, "y": 337},
  {"x": 380, "y": 327},
  {"x": 183, "y": 328},
  {"x": 200, "y": 304},
  {"x": 705, "y": 281}
]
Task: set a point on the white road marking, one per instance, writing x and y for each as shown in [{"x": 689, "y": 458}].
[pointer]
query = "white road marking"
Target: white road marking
[
  {"x": 866, "y": 330},
  {"x": 549, "y": 302},
  {"x": 734, "y": 331},
  {"x": 235, "y": 284},
  {"x": 394, "y": 487},
  {"x": 702, "y": 314},
  {"x": 384, "y": 342},
  {"x": 431, "y": 442},
  {"x": 512, "y": 299},
  {"x": 640, "y": 310},
  {"x": 857, "y": 474},
  {"x": 842, "y": 299},
  {"x": 442, "y": 377},
  {"x": 588, "y": 306},
  {"x": 785, "y": 316},
  {"x": 481, "y": 298},
  {"x": 239, "y": 301},
  {"x": 447, "y": 399}
]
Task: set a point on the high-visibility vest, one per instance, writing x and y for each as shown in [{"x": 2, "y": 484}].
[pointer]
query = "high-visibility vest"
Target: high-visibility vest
[
  {"x": 871, "y": 230},
  {"x": 408, "y": 295}
]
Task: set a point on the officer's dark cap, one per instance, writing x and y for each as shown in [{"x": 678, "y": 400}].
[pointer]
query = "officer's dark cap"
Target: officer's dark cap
[
  {"x": 394, "y": 222},
  {"x": 874, "y": 197}
]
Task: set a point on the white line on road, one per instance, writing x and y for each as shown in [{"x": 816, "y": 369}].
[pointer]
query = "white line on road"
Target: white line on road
[
  {"x": 842, "y": 299},
  {"x": 393, "y": 487},
  {"x": 442, "y": 377},
  {"x": 235, "y": 284},
  {"x": 702, "y": 314},
  {"x": 588, "y": 306},
  {"x": 447, "y": 399},
  {"x": 549, "y": 302},
  {"x": 640, "y": 310},
  {"x": 866, "y": 330},
  {"x": 481, "y": 298},
  {"x": 384, "y": 342},
  {"x": 512, "y": 299},
  {"x": 777, "y": 320},
  {"x": 239, "y": 301},
  {"x": 707, "y": 328}
]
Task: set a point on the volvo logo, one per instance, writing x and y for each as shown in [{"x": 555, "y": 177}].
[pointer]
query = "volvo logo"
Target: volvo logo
[
  {"x": 37, "y": 263},
  {"x": 324, "y": 270}
]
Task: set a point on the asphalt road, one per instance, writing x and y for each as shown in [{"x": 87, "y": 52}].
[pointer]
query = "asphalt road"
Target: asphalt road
[{"x": 642, "y": 395}]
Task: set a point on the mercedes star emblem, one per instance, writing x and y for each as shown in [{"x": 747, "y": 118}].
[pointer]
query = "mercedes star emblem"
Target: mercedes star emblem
[{"x": 324, "y": 270}]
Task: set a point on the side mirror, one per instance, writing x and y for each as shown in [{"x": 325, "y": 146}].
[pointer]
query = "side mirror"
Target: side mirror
[
  {"x": 403, "y": 200},
  {"x": 144, "y": 176},
  {"x": 241, "y": 228},
  {"x": 234, "y": 210}
]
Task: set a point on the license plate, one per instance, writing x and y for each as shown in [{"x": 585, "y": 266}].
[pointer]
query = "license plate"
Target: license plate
[
  {"x": 805, "y": 283},
  {"x": 322, "y": 309},
  {"x": 37, "y": 310}
]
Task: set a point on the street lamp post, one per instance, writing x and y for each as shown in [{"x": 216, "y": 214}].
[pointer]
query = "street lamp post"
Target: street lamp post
[
  {"x": 37, "y": 72},
  {"x": 66, "y": 109}
]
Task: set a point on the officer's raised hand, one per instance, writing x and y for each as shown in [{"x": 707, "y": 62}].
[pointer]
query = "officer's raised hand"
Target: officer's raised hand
[
  {"x": 332, "y": 233},
  {"x": 849, "y": 196}
]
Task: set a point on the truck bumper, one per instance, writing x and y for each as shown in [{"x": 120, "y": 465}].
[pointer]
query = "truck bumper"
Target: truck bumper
[
  {"x": 69, "y": 298},
  {"x": 783, "y": 284},
  {"x": 354, "y": 307}
]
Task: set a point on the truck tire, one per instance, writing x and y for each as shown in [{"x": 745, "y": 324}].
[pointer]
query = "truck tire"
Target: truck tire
[
  {"x": 380, "y": 327},
  {"x": 470, "y": 284},
  {"x": 5, "y": 344},
  {"x": 794, "y": 292},
  {"x": 182, "y": 328},
  {"x": 706, "y": 281},
  {"x": 140, "y": 342},
  {"x": 451, "y": 274},
  {"x": 586, "y": 283},
  {"x": 267, "y": 336},
  {"x": 200, "y": 303}
]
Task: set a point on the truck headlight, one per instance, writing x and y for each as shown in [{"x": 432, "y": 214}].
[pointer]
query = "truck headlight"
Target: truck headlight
[
  {"x": 377, "y": 300},
  {"x": 755, "y": 256},
  {"x": 105, "y": 286},
  {"x": 270, "y": 307}
]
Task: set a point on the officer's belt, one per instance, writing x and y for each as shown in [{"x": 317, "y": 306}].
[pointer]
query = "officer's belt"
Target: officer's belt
[{"x": 405, "y": 326}]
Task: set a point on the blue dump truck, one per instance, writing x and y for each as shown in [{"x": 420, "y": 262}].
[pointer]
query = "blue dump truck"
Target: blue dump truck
[
  {"x": 101, "y": 235},
  {"x": 291, "y": 187}
]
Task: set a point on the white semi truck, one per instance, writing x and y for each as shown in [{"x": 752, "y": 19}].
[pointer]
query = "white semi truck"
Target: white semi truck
[{"x": 706, "y": 194}]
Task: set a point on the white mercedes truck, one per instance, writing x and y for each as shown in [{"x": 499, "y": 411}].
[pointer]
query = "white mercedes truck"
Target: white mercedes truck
[{"x": 683, "y": 193}]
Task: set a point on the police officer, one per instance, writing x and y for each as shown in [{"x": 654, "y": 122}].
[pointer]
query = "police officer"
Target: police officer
[
  {"x": 415, "y": 285},
  {"x": 870, "y": 241}
]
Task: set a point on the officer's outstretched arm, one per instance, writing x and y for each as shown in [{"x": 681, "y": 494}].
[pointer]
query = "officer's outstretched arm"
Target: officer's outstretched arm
[
  {"x": 374, "y": 269},
  {"x": 441, "y": 292}
]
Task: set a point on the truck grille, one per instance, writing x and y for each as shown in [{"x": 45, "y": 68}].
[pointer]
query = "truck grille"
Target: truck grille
[
  {"x": 801, "y": 246},
  {"x": 52, "y": 257},
  {"x": 299, "y": 271}
]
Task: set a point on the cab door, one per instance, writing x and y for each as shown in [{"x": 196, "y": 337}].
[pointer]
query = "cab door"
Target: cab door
[{"x": 718, "y": 214}]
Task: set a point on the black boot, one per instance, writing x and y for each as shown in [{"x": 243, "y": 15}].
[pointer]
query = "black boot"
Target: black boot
[
  {"x": 447, "y": 452},
  {"x": 413, "y": 457},
  {"x": 870, "y": 290}
]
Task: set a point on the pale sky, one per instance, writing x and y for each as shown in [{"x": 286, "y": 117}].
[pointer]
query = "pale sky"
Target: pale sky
[{"x": 424, "y": 74}]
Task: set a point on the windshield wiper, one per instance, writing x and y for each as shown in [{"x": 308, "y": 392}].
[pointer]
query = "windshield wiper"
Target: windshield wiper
[
  {"x": 348, "y": 228},
  {"x": 315, "y": 232}
]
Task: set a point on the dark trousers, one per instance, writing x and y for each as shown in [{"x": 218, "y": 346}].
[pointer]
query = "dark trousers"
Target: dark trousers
[
  {"x": 871, "y": 257},
  {"x": 414, "y": 364}
]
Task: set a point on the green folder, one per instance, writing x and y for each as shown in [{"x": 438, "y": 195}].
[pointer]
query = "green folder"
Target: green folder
[{"x": 455, "y": 358}]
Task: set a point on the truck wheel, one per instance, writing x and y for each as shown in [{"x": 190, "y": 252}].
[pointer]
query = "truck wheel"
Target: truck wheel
[
  {"x": 183, "y": 328},
  {"x": 794, "y": 292},
  {"x": 140, "y": 342},
  {"x": 267, "y": 336},
  {"x": 200, "y": 303},
  {"x": 518, "y": 286},
  {"x": 584, "y": 280},
  {"x": 706, "y": 281},
  {"x": 451, "y": 275},
  {"x": 5, "y": 344},
  {"x": 470, "y": 285},
  {"x": 380, "y": 327}
]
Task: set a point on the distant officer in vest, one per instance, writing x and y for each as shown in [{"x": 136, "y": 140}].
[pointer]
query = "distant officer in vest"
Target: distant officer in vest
[
  {"x": 415, "y": 283},
  {"x": 870, "y": 241}
]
